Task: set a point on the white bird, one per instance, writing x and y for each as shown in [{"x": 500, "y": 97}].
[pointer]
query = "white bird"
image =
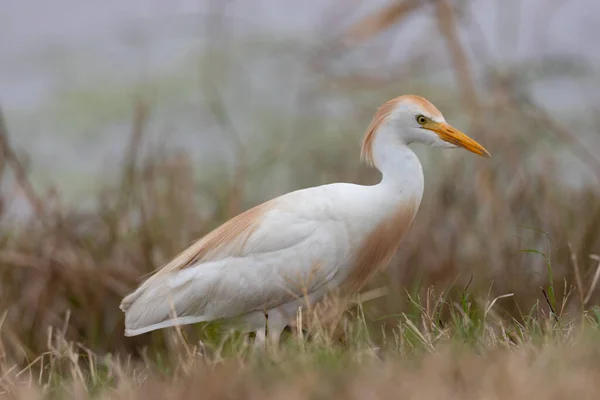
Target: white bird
[{"x": 264, "y": 264}]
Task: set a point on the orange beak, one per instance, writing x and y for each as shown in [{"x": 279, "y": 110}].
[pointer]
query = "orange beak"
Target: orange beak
[{"x": 452, "y": 135}]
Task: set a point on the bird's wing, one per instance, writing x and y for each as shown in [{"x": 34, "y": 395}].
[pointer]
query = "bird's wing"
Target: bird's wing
[{"x": 263, "y": 258}]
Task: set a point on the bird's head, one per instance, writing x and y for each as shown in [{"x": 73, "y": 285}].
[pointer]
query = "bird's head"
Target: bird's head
[{"x": 413, "y": 119}]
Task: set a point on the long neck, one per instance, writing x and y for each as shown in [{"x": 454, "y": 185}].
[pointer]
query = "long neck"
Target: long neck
[{"x": 399, "y": 165}]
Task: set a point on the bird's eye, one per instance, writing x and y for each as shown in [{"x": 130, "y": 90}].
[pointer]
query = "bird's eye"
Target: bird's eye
[{"x": 421, "y": 119}]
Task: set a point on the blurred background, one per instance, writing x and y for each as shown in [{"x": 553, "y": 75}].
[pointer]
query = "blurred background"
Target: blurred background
[{"x": 132, "y": 127}]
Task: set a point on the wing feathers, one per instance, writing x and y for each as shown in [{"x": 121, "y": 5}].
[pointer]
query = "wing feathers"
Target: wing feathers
[
  {"x": 235, "y": 231},
  {"x": 252, "y": 263},
  {"x": 165, "y": 324},
  {"x": 226, "y": 240}
]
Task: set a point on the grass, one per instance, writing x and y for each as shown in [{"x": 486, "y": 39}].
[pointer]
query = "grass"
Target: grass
[{"x": 472, "y": 352}]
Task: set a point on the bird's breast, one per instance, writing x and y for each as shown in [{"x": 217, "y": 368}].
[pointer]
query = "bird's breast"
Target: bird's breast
[{"x": 378, "y": 244}]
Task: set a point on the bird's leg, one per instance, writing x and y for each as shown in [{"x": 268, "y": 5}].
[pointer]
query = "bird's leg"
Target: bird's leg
[
  {"x": 276, "y": 323},
  {"x": 273, "y": 336},
  {"x": 267, "y": 337},
  {"x": 260, "y": 339}
]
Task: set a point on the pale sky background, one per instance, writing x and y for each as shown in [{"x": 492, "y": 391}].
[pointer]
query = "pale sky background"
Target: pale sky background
[{"x": 33, "y": 29}]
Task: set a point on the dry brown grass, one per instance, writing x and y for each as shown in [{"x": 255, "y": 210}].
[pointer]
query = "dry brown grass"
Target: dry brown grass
[
  {"x": 554, "y": 372},
  {"x": 420, "y": 357}
]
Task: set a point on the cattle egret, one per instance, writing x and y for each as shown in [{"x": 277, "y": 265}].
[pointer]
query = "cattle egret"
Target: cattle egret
[{"x": 263, "y": 265}]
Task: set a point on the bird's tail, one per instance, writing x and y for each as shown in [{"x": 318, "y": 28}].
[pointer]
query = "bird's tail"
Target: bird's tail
[{"x": 157, "y": 304}]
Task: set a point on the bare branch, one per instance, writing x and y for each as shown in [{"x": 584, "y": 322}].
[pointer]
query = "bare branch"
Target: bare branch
[
  {"x": 11, "y": 159},
  {"x": 380, "y": 20},
  {"x": 447, "y": 26}
]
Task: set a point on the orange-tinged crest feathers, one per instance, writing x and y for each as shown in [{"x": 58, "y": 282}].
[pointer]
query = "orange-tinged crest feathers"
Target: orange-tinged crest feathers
[{"x": 382, "y": 115}]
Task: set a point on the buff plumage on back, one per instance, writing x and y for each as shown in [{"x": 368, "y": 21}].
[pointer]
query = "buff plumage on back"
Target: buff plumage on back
[
  {"x": 383, "y": 114},
  {"x": 227, "y": 239},
  {"x": 235, "y": 231}
]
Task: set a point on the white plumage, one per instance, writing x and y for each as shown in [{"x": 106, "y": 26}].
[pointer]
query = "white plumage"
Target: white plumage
[{"x": 262, "y": 262}]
